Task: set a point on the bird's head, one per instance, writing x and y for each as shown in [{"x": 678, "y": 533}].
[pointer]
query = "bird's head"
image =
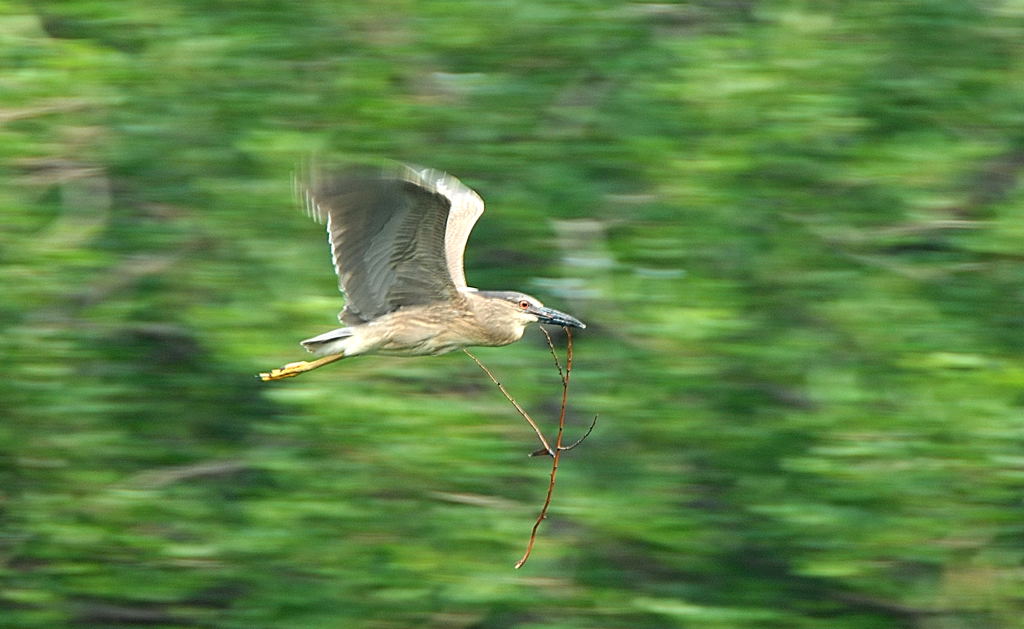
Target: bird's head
[{"x": 525, "y": 309}]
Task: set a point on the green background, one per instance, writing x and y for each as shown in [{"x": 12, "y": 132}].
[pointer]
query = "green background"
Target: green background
[{"x": 794, "y": 228}]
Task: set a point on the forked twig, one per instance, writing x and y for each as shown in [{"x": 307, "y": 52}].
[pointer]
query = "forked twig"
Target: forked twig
[
  {"x": 556, "y": 452},
  {"x": 565, "y": 383},
  {"x": 558, "y": 440}
]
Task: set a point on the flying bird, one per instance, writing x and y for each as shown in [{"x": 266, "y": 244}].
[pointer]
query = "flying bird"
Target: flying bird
[{"x": 397, "y": 239}]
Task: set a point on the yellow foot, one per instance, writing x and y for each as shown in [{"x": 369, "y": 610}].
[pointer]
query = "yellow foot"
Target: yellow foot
[
  {"x": 288, "y": 371},
  {"x": 293, "y": 369}
]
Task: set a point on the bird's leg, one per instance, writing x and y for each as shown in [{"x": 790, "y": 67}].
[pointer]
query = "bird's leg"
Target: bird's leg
[{"x": 293, "y": 369}]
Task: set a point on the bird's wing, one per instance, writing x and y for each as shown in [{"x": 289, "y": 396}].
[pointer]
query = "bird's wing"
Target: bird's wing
[
  {"x": 387, "y": 237},
  {"x": 466, "y": 208}
]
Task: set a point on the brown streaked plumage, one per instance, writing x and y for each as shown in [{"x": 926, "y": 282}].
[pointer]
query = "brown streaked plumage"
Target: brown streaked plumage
[{"x": 397, "y": 240}]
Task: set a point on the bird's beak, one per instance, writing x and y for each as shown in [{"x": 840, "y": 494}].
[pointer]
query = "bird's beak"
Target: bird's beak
[{"x": 556, "y": 317}]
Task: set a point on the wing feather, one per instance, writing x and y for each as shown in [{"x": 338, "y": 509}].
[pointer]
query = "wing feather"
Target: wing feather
[
  {"x": 466, "y": 208},
  {"x": 387, "y": 237}
]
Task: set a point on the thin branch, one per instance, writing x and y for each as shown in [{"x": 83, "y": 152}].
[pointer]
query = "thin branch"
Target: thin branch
[
  {"x": 162, "y": 477},
  {"x": 551, "y": 346},
  {"x": 583, "y": 438},
  {"x": 526, "y": 416},
  {"x": 558, "y": 365},
  {"x": 56, "y": 105},
  {"x": 558, "y": 446},
  {"x": 556, "y": 452}
]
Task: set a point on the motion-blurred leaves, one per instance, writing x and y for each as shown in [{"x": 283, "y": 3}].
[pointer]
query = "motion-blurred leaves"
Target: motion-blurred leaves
[{"x": 793, "y": 227}]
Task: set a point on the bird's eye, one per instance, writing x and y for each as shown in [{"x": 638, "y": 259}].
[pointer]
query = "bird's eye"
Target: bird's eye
[{"x": 524, "y": 305}]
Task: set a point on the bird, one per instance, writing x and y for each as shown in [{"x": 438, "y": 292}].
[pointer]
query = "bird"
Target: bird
[{"x": 397, "y": 237}]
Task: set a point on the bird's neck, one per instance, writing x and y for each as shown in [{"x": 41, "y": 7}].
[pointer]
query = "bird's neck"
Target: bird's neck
[{"x": 499, "y": 322}]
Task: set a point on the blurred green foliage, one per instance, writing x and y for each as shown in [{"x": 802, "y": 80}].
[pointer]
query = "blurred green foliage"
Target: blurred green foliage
[{"x": 794, "y": 226}]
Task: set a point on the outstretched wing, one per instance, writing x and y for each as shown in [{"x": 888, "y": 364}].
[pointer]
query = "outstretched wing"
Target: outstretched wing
[
  {"x": 466, "y": 208},
  {"x": 387, "y": 236}
]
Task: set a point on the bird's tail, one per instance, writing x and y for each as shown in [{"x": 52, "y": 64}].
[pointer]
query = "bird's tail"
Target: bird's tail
[{"x": 329, "y": 342}]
